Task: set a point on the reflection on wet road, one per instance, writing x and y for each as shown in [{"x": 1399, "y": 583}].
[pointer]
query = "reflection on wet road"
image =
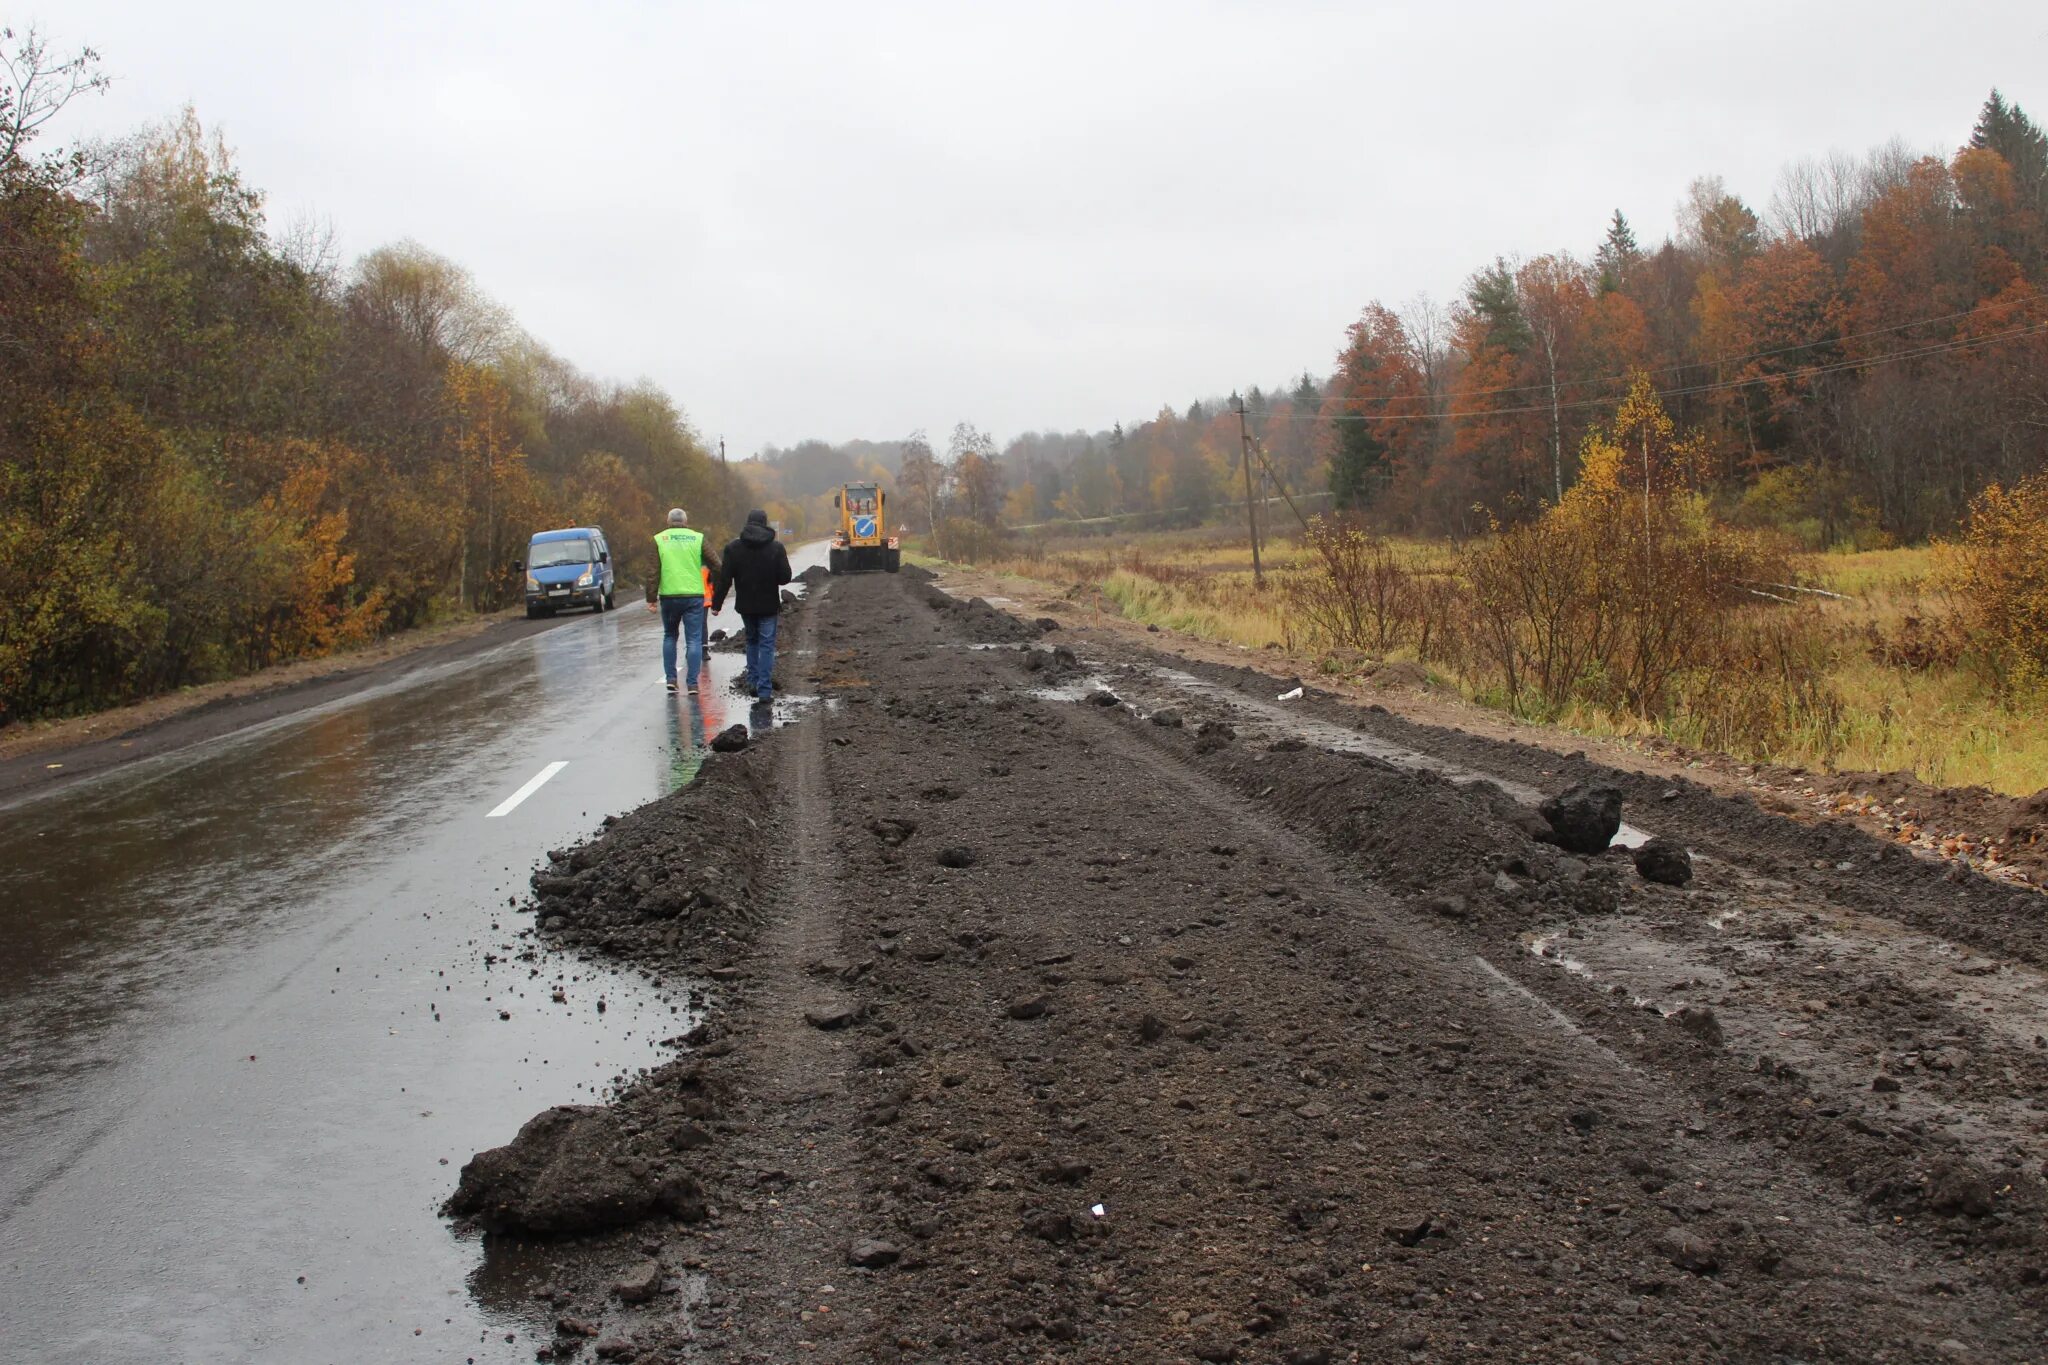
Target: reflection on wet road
[{"x": 259, "y": 992}]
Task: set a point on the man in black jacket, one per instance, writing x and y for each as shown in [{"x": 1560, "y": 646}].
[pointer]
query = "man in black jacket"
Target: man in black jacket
[{"x": 753, "y": 569}]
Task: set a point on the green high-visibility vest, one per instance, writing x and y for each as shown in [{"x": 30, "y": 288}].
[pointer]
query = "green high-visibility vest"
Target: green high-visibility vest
[{"x": 682, "y": 562}]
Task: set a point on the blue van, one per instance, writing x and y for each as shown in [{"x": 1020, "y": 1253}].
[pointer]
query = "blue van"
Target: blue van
[{"x": 570, "y": 568}]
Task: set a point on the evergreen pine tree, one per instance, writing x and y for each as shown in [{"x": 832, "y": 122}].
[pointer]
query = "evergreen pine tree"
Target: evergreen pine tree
[
  {"x": 1493, "y": 296},
  {"x": 1617, "y": 255},
  {"x": 2005, "y": 129}
]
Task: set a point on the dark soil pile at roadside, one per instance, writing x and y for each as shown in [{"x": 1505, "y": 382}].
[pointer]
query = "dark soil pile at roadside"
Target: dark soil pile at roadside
[
  {"x": 1465, "y": 851},
  {"x": 672, "y": 886},
  {"x": 675, "y": 881},
  {"x": 1834, "y": 858},
  {"x": 1058, "y": 1032},
  {"x": 979, "y": 621}
]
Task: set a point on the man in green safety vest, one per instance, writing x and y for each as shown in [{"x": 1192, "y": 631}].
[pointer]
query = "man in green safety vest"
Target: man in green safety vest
[{"x": 682, "y": 558}]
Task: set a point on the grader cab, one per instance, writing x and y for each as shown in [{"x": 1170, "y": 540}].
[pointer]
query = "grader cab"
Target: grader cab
[{"x": 863, "y": 542}]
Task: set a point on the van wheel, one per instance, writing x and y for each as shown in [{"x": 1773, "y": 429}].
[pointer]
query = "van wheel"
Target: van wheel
[
  {"x": 533, "y": 613},
  {"x": 609, "y": 602}
]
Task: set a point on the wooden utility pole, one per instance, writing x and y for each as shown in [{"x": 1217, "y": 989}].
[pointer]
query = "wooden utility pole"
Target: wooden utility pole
[
  {"x": 721, "y": 450},
  {"x": 1251, "y": 506}
]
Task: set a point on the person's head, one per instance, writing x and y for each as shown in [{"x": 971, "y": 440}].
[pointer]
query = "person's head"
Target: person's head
[
  {"x": 757, "y": 517},
  {"x": 678, "y": 517}
]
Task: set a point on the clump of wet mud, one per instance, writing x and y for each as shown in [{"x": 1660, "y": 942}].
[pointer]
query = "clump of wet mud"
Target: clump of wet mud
[{"x": 582, "y": 1168}]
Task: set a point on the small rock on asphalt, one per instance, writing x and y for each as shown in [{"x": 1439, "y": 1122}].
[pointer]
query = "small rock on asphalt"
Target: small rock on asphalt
[
  {"x": 832, "y": 1018},
  {"x": 1031, "y": 1007},
  {"x": 958, "y": 856}
]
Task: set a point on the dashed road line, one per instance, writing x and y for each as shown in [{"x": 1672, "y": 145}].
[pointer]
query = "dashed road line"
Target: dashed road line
[{"x": 534, "y": 784}]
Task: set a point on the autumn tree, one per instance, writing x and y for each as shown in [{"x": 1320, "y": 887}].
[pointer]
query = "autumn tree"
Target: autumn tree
[
  {"x": 1376, "y": 403},
  {"x": 921, "y": 478}
]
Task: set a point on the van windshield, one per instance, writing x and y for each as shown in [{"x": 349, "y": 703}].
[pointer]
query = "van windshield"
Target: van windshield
[{"x": 545, "y": 554}]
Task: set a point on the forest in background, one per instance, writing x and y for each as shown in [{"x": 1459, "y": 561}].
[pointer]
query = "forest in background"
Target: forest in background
[
  {"x": 1850, "y": 365},
  {"x": 220, "y": 448}
]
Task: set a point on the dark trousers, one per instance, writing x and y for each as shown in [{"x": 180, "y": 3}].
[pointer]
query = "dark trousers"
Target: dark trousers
[{"x": 760, "y": 654}]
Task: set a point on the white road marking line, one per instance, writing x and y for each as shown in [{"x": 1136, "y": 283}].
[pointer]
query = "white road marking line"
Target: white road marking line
[{"x": 533, "y": 785}]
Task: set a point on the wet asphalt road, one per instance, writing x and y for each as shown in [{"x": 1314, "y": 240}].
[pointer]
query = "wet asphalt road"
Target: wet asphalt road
[{"x": 251, "y": 1009}]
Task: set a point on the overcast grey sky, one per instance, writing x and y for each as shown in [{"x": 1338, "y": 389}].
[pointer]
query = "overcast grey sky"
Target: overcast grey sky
[{"x": 844, "y": 220}]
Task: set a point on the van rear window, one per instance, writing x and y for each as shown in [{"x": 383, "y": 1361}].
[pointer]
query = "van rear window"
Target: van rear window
[{"x": 548, "y": 553}]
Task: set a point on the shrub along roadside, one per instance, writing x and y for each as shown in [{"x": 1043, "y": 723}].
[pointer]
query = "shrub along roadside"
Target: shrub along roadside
[{"x": 1998, "y": 572}]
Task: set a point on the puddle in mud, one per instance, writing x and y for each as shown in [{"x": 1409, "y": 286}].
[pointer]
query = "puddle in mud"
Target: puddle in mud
[
  {"x": 1080, "y": 689},
  {"x": 1842, "y": 997}
]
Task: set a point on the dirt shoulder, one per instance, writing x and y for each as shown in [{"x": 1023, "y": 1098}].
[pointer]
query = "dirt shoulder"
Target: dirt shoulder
[
  {"x": 2004, "y": 836},
  {"x": 1074, "y": 1003},
  {"x": 48, "y": 754}
]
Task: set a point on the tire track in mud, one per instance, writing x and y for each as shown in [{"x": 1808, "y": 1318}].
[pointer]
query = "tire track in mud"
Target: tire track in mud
[{"x": 791, "y": 1196}]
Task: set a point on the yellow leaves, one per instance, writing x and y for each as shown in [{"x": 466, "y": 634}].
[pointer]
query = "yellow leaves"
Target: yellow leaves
[
  {"x": 1639, "y": 453},
  {"x": 1641, "y": 415},
  {"x": 1599, "y": 466},
  {"x": 1999, "y": 571}
]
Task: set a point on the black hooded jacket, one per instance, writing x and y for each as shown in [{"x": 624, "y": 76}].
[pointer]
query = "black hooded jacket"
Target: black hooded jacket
[{"x": 753, "y": 569}]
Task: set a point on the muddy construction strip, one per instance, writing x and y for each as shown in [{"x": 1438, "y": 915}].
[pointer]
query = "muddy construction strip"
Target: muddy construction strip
[{"x": 1043, "y": 1019}]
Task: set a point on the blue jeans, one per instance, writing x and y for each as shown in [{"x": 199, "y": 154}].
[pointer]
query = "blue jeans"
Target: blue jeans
[
  {"x": 761, "y": 654},
  {"x": 687, "y": 612}
]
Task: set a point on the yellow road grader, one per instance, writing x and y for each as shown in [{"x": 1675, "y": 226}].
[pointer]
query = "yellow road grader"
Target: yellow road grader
[{"x": 863, "y": 542}]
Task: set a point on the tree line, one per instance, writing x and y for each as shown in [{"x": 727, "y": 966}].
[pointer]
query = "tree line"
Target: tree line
[
  {"x": 221, "y": 449},
  {"x": 1854, "y": 362}
]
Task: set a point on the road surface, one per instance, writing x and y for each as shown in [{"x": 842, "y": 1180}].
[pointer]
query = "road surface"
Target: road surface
[{"x": 253, "y": 1007}]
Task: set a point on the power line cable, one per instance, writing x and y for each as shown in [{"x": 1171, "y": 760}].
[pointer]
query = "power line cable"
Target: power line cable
[
  {"x": 1732, "y": 360},
  {"x": 1834, "y": 367}
]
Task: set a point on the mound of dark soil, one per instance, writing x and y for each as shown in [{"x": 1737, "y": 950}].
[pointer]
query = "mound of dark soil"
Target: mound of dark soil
[
  {"x": 674, "y": 879},
  {"x": 978, "y": 620},
  {"x": 1470, "y": 849}
]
